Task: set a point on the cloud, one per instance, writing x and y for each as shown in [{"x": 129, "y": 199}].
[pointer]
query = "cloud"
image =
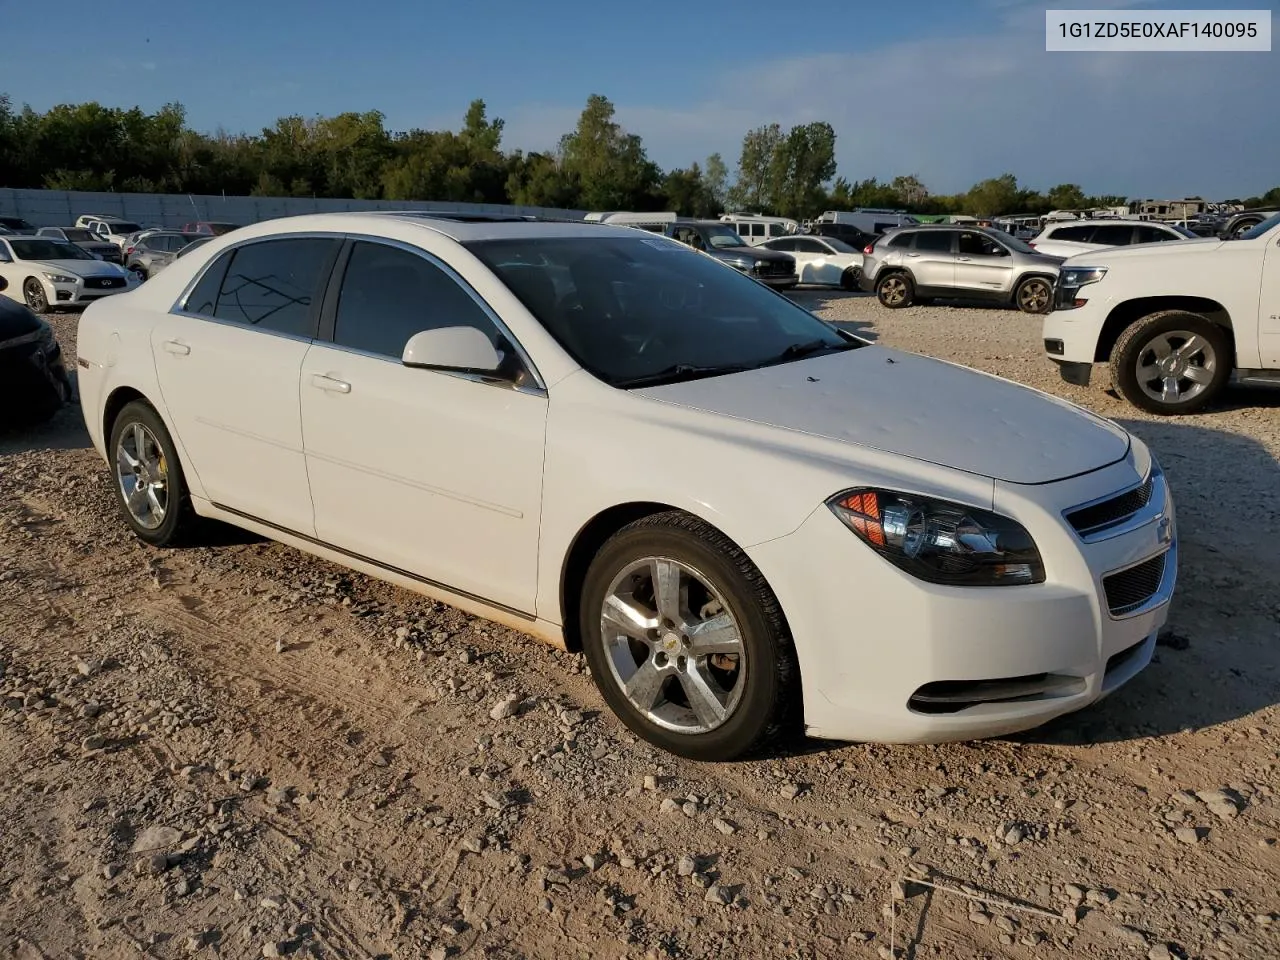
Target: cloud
[{"x": 957, "y": 110}]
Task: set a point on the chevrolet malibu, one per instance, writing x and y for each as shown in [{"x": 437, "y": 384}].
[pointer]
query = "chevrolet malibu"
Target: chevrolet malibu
[{"x": 745, "y": 518}]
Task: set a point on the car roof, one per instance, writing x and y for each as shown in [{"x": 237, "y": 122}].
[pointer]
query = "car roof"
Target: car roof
[
  {"x": 463, "y": 228},
  {"x": 1102, "y": 221}
]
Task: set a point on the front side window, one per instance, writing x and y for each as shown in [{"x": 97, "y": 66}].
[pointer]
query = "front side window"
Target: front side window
[
  {"x": 388, "y": 294},
  {"x": 979, "y": 245},
  {"x": 787, "y": 244},
  {"x": 271, "y": 285},
  {"x": 642, "y": 311}
]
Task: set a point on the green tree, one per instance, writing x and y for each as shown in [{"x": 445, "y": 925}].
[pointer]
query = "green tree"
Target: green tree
[
  {"x": 1066, "y": 196},
  {"x": 716, "y": 177},
  {"x": 608, "y": 164},
  {"x": 910, "y": 191},
  {"x": 992, "y": 197},
  {"x": 757, "y": 170}
]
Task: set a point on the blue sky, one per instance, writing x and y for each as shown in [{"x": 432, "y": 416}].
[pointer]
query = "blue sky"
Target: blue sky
[{"x": 952, "y": 91}]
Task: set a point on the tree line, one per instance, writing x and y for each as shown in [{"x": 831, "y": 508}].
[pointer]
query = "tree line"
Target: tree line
[{"x": 596, "y": 166}]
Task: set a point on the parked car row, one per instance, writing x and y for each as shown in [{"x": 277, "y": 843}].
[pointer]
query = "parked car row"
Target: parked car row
[{"x": 33, "y": 378}]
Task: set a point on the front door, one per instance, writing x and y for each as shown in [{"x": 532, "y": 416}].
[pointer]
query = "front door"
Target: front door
[
  {"x": 982, "y": 265},
  {"x": 228, "y": 369},
  {"x": 1269, "y": 305},
  {"x": 432, "y": 473}
]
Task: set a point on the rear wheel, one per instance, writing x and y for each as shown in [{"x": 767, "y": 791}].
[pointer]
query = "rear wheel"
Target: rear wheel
[
  {"x": 895, "y": 290},
  {"x": 1172, "y": 362},
  {"x": 1034, "y": 295},
  {"x": 686, "y": 641},
  {"x": 138, "y": 271},
  {"x": 150, "y": 486}
]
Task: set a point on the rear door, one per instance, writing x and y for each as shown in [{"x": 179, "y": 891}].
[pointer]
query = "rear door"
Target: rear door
[
  {"x": 983, "y": 266},
  {"x": 228, "y": 366},
  {"x": 932, "y": 260}
]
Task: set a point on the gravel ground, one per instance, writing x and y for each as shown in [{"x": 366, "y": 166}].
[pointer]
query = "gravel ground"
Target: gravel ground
[{"x": 239, "y": 751}]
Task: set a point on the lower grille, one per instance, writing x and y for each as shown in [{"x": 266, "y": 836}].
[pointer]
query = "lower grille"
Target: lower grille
[
  {"x": 1130, "y": 589},
  {"x": 953, "y": 696},
  {"x": 770, "y": 269}
]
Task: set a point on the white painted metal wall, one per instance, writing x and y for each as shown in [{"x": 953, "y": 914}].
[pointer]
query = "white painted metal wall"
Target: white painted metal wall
[{"x": 60, "y": 208}]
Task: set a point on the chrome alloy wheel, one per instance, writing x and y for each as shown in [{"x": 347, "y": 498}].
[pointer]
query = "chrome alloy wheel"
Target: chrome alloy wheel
[
  {"x": 142, "y": 473},
  {"x": 893, "y": 290},
  {"x": 673, "y": 645},
  {"x": 1176, "y": 366}
]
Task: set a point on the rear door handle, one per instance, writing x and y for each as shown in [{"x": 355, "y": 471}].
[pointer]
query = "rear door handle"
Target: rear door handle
[
  {"x": 962, "y": 259},
  {"x": 913, "y": 254},
  {"x": 321, "y": 382},
  {"x": 177, "y": 348}
]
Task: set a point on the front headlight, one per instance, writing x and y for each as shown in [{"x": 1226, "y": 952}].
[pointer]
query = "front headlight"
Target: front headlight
[
  {"x": 58, "y": 278},
  {"x": 1076, "y": 277},
  {"x": 939, "y": 541}
]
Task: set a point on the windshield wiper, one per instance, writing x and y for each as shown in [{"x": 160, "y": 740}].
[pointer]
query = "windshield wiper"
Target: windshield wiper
[
  {"x": 798, "y": 350},
  {"x": 675, "y": 373}
]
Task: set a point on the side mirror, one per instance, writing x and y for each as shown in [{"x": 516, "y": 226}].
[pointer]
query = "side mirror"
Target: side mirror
[{"x": 464, "y": 349}]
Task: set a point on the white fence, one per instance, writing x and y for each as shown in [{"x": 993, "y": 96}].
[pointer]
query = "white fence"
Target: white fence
[{"x": 60, "y": 208}]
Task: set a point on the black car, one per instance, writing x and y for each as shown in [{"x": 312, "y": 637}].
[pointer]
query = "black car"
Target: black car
[
  {"x": 721, "y": 241},
  {"x": 33, "y": 379},
  {"x": 858, "y": 239},
  {"x": 17, "y": 225}
]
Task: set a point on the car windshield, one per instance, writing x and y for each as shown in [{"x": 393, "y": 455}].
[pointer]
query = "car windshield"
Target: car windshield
[
  {"x": 1016, "y": 245},
  {"x": 648, "y": 311},
  {"x": 721, "y": 237},
  {"x": 196, "y": 242},
  {"x": 42, "y": 248},
  {"x": 78, "y": 236},
  {"x": 1263, "y": 227},
  {"x": 1183, "y": 231}
]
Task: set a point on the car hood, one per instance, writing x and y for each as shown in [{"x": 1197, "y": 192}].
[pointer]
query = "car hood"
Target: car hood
[
  {"x": 917, "y": 407},
  {"x": 1167, "y": 248},
  {"x": 79, "y": 268}
]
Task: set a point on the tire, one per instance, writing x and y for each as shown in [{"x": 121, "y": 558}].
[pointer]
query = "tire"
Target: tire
[
  {"x": 895, "y": 290},
  {"x": 1139, "y": 348},
  {"x": 159, "y": 463},
  {"x": 760, "y": 687},
  {"x": 140, "y": 272},
  {"x": 33, "y": 293},
  {"x": 849, "y": 279},
  {"x": 1034, "y": 295}
]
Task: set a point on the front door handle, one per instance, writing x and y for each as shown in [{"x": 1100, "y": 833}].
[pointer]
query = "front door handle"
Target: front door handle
[
  {"x": 913, "y": 254},
  {"x": 333, "y": 385},
  {"x": 177, "y": 348},
  {"x": 962, "y": 259}
]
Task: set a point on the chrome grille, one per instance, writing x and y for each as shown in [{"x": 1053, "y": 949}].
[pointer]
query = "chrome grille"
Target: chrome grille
[
  {"x": 1112, "y": 512},
  {"x": 1129, "y": 589}
]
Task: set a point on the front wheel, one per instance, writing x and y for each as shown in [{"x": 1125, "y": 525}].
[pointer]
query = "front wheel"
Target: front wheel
[
  {"x": 139, "y": 273},
  {"x": 1172, "y": 362},
  {"x": 686, "y": 641},
  {"x": 33, "y": 293},
  {"x": 849, "y": 279},
  {"x": 895, "y": 291},
  {"x": 1034, "y": 295}
]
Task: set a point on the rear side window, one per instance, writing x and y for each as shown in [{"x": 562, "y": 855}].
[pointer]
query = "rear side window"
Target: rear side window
[
  {"x": 1154, "y": 235},
  {"x": 271, "y": 285},
  {"x": 1074, "y": 234},
  {"x": 757, "y": 229},
  {"x": 1113, "y": 235},
  {"x": 389, "y": 294},
  {"x": 777, "y": 230},
  {"x": 934, "y": 240},
  {"x": 901, "y": 240}
]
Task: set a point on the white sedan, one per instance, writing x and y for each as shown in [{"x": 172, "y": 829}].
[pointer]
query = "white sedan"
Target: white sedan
[
  {"x": 747, "y": 520},
  {"x": 43, "y": 272},
  {"x": 822, "y": 261}
]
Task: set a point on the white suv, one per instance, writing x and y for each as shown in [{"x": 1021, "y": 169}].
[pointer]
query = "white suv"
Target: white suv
[
  {"x": 1172, "y": 320},
  {"x": 109, "y": 229},
  {"x": 1067, "y": 238}
]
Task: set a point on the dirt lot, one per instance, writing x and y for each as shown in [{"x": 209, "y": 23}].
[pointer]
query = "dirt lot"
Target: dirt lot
[{"x": 238, "y": 751}]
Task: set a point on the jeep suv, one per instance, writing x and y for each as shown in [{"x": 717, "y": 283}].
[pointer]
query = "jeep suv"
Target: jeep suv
[{"x": 916, "y": 264}]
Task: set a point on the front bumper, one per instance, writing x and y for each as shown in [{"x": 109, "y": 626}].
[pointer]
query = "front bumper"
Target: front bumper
[
  {"x": 784, "y": 282},
  {"x": 80, "y": 293},
  {"x": 884, "y": 657}
]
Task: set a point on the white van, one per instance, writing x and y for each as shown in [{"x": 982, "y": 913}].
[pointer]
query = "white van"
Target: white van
[
  {"x": 756, "y": 228},
  {"x": 869, "y": 219},
  {"x": 653, "y": 222}
]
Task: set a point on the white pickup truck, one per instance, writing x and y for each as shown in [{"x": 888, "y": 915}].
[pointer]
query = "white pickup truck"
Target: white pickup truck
[{"x": 1173, "y": 320}]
